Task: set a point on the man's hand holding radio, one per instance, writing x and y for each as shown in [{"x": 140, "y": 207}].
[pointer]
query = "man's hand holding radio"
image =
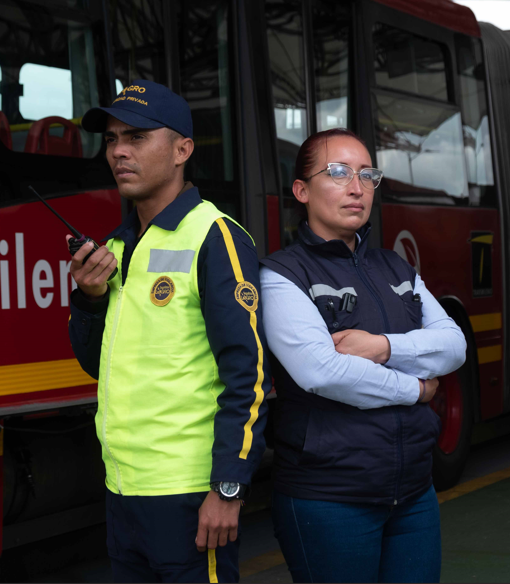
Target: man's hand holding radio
[{"x": 92, "y": 275}]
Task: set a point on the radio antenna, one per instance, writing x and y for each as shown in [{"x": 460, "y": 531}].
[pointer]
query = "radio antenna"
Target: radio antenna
[{"x": 75, "y": 232}]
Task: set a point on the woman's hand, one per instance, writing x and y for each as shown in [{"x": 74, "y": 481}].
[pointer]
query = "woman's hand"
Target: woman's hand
[
  {"x": 428, "y": 389},
  {"x": 362, "y": 344}
]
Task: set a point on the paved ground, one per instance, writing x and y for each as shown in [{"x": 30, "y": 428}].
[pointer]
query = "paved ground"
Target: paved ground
[{"x": 475, "y": 520}]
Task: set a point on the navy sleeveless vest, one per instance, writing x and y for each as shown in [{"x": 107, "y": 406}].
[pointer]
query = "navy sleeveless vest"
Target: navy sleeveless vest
[{"x": 327, "y": 450}]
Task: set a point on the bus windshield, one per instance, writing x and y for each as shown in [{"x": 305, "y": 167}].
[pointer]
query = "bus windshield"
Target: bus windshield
[{"x": 47, "y": 75}]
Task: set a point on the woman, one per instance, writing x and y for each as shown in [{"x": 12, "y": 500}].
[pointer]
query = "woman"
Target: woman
[{"x": 358, "y": 342}]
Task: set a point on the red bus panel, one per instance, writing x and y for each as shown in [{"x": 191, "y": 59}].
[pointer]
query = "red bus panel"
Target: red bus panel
[
  {"x": 457, "y": 252},
  {"x": 37, "y": 365},
  {"x": 441, "y": 12}
]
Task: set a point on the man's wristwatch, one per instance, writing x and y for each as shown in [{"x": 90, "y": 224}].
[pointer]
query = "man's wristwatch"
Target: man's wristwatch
[{"x": 229, "y": 491}]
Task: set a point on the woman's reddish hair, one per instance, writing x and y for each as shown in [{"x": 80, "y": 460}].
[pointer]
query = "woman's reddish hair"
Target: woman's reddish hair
[{"x": 307, "y": 155}]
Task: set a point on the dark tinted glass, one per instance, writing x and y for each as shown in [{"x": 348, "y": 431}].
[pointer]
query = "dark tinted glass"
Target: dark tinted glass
[
  {"x": 331, "y": 31},
  {"x": 406, "y": 62},
  {"x": 475, "y": 121},
  {"x": 138, "y": 41},
  {"x": 286, "y": 56},
  {"x": 286, "y": 59},
  {"x": 206, "y": 75},
  {"x": 420, "y": 150}
]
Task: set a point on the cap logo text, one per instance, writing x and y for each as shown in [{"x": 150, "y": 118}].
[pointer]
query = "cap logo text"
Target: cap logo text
[{"x": 133, "y": 88}]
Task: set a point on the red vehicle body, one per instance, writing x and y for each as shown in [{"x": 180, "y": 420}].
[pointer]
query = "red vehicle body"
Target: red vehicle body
[
  {"x": 39, "y": 288},
  {"x": 253, "y": 104}
]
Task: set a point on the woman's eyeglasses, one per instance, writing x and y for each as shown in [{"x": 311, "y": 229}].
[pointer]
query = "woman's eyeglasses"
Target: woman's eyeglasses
[{"x": 342, "y": 175}]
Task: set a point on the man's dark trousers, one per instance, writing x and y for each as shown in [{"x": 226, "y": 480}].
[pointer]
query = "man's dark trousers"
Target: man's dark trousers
[{"x": 152, "y": 539}]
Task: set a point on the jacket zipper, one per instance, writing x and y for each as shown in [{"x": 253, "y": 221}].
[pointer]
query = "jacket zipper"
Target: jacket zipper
[
  {"x": 372, "y": 293},
  {"x": 108, "y": 363},
  {"x": 397, "y": 413}
]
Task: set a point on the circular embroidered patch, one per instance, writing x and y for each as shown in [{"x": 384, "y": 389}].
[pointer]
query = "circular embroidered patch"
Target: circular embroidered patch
[
  {"x": 247, "y": 296},
  {"x": 162, "y": 291}
]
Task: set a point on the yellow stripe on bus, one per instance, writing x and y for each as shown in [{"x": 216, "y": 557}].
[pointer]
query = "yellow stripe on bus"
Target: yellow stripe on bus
[
  {"x": 31, "y": 377},
  {"x": 489, "y": 354},
  {"x": 486, "y": 322},
  {"x": 259, "y": 393},
  {"x": 488, "y": 239}
]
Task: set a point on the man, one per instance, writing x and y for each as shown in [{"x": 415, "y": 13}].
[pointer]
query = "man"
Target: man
[{"x": 175, "y": 341}]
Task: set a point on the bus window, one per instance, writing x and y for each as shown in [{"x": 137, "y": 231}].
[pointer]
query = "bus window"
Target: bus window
[
  {"x": 48, "y": 69},
  {"x": 286, "y": 60},
  {"x": 206, "y": 75},
  {"x": 418, "y": 140},
  {"x": 419, "y": 148},
  {"x": 406, "y": 62},
  {"x": 475, "y": 122},
  {"x": 331, "y": 28},
  {"x": 47, "y": 91},
  {"x": 138, "y": 40},
  {"x": 286, "y": 55},
  {"x": 330, "y": 56}
]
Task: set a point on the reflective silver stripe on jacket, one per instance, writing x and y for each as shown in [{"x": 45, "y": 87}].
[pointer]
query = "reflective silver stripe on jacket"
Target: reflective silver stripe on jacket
[
  {"x": 166, "y": 260},
  {"x": 325, "y": 290},
  {"x": 403, "y": 288}
]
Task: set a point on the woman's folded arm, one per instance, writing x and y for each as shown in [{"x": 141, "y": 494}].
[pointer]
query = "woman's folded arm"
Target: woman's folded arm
[
  {"x": 436, "y": 349},
  {"x": 298, "y": 337}
]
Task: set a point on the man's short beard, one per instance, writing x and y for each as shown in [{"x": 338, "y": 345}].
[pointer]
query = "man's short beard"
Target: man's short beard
[{"x": 134, "y": 196}]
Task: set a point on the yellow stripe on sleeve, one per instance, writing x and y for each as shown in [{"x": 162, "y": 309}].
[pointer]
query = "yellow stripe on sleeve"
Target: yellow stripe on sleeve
[
  {"x": 211, "y": 556},
  {"x": 259, "y": 393},
  {"x": 231, "y": 248}
]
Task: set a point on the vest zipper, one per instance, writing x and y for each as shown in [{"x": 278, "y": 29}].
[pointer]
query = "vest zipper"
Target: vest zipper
[
  {"x": 372, "y": 293},
  {"x": 110, "y": 349},
  {"x": 400, "y": 453}
]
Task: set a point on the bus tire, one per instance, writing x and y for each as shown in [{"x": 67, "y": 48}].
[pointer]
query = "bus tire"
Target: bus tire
[{"x": 454, "y": 405}]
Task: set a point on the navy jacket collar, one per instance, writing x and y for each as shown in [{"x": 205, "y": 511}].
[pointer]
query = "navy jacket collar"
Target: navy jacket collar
[
  {"x": 168, "y": 219},
  {"x": 336, "y": 247}
]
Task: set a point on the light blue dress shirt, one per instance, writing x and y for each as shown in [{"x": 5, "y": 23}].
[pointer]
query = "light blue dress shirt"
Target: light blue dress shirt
[{"x": 298, "y": 337}]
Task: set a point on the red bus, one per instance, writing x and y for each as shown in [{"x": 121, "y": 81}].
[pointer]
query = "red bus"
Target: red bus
[{"x": 260, "y": 76}]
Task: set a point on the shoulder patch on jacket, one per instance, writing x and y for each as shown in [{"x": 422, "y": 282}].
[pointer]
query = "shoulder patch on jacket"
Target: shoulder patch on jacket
[{"x": 247, "y": 296}]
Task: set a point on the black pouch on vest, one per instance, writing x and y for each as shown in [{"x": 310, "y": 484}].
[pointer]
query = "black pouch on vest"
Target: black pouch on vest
[{"x": 336, "y": 318}]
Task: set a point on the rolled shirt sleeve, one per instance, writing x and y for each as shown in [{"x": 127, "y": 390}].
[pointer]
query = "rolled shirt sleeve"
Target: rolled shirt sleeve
[
  {"x": 236, "y": 336},
  {"x": 436, "y": 349},
  {"x": 298, "y": 337}
]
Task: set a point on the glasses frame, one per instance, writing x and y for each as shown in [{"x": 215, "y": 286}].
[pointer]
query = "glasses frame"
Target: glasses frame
[{"x": 328, "y": 170}]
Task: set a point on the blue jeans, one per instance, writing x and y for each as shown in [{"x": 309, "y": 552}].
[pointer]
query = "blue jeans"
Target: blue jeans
[{"x": 349, "y": 542}]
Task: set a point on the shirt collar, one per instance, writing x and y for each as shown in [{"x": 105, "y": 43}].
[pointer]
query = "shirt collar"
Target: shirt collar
[
  {"x": 169, "y": 218},
  {"x": 334, "y": 246}
]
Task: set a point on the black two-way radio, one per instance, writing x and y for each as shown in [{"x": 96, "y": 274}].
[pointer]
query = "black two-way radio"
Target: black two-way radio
[{"x": 78, "y": 240}]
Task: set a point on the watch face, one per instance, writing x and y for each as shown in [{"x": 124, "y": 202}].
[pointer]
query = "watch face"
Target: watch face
[{"x": 229, "y": 489}]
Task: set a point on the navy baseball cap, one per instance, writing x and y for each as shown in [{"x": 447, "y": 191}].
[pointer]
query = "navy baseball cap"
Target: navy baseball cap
[{"x": 144, "y": 104}]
